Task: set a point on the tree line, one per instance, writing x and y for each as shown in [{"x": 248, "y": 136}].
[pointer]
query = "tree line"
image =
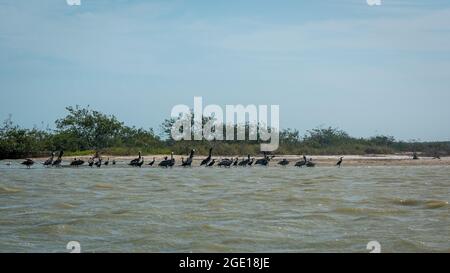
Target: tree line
[{"x": 84, "y": 131}]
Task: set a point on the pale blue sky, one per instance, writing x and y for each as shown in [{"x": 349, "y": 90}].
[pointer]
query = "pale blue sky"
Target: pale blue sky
[{"x": 368, "y": 70}]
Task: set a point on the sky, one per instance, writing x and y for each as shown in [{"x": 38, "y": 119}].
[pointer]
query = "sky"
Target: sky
[{"x": 368, "y": 70}]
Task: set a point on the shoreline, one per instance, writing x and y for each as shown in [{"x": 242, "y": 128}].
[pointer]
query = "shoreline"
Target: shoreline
[{"x": 320, "y": 160}]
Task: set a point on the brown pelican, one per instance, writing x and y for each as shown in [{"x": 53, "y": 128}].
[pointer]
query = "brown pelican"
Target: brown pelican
[
  {"x": 91, "y": 162},
  {"x": 210, "y": 164},
  {"x": 310, "y": 164},
  {"x": 140, "y": 163},
  {"x": 167, "y": 162},
  {"x": 28, "y": 162},
  {"x": 339, "y": 163},
  {"x": 236, "y": 161},
  {"x": 58, "y": 161},
  {"x": 188, "y": 162},
  {"x": 98, "y": 163},
  {"x": 136, "y": 160},
  {"x": 302, "y": 163},
  {"x": 226, "y": 162},
  {"x": 251, "y": 162},
  {"x": 49, "y": 161},
  {"x": 284, "y": 162},
  {"x": 245, "y": 162},
  {"x": 265, "y": 161},
  {"x": 76, "y": 162},
  {"x": 152, "y": 163},
  {"x": 208, "y": 159}
]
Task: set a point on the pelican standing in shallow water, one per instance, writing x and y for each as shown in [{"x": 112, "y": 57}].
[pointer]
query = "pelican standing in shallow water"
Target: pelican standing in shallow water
[
  {"x": 339, "y": 163},
  {"x": 226, "y": 162},
  {"x": 208, "y": 159},
  {"x": 302, "y": 163},
  {"x": 188, "y": 162},
  {"x": 91, "y": 162},
  {"x": 167, "y": 162},
  {"x": 245, "y": 162},
  {"x": 140, "y": 163},
  {"x": 58, "y": 161},
  {"x": 76, "y": 162},
  {"x": 265, "y": 161},
  {"x": 236, "y": 161},
  {"x": 284, "y": 162},
  {"x": 98, "y": 163},
  {"x": 152, "y": 162},
  {"x": 49, "y": 161},
  {"x": 135, "y": 161},
  {"x": 28, "y": 162},
  {"x": 211, "y": 164},
  {"x": 310, "y": 163}
]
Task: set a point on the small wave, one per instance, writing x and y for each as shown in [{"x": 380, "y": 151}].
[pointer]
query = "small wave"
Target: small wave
[
  {"x": 103, "y": 186},
  {"x": 366, "y": 211},
  {"x": 208, "y": 227},
  {"x": 65, "y": 206},
  {"x": 6, "y": 190},
  {"x": 435, "y": 204},
  {"x": 429, "y": 204},
  {"x": 407, "y": 202},
  {"x": 120, "y": 212}
]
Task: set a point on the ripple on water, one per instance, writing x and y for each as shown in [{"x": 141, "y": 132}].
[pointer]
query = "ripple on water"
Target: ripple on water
[
  {"x": 428, "y": 204},
  {"x": 367, "y": 211},
  {"x": 435, "y": 204},
  {"x": 65, "y": 206},
  {"x": 6, "y": 190},
  {"x": 103, "y": 186}
]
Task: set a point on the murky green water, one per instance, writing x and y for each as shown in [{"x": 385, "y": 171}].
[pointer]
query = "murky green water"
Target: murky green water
[{"x": 117, "y": 209}]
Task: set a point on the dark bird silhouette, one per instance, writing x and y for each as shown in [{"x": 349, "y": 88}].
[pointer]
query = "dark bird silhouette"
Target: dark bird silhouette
[
  {"x": 76, "y": 162},
  {"x": 140, "y": 163},
  {"x": 302, "y": 163},
  {"x": 188, "y": 162},
  {"x": 106, "y": 163},
  {"x": 49, "y": 161},
  {"x": 236, "y": 161},
  {"x": 244, "y": 162},
  {"x": 58, "y": 161},
  {"x": 152, "y": 162},
  {"x": 28, "y": 162},
  {"x": 264, "y": 161},
  {"x": 251, "y": 162},
  {"x": 135, "y": 161},
  {"x": 98, "y": 164},
  {"x": 283, "y": 162},
  {"x": 310, "y": 164},
  {"x": 114, "y": 162},
  {"x": 208, "y": 159},
  {"x": 91, "y": 162},
  {"x": 339, "y": 163},
  {"x": 167, "y": 162},
  {"x": 226, "y": 162},
  {"x": 210, "y": 164}
]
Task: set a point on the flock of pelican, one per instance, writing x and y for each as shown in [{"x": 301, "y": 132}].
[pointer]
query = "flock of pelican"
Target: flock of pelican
[{"x": 97, "y": 161}]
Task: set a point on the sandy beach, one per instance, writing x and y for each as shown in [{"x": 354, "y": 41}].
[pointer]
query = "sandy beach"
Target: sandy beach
[{"x": 320, "y": 160}]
